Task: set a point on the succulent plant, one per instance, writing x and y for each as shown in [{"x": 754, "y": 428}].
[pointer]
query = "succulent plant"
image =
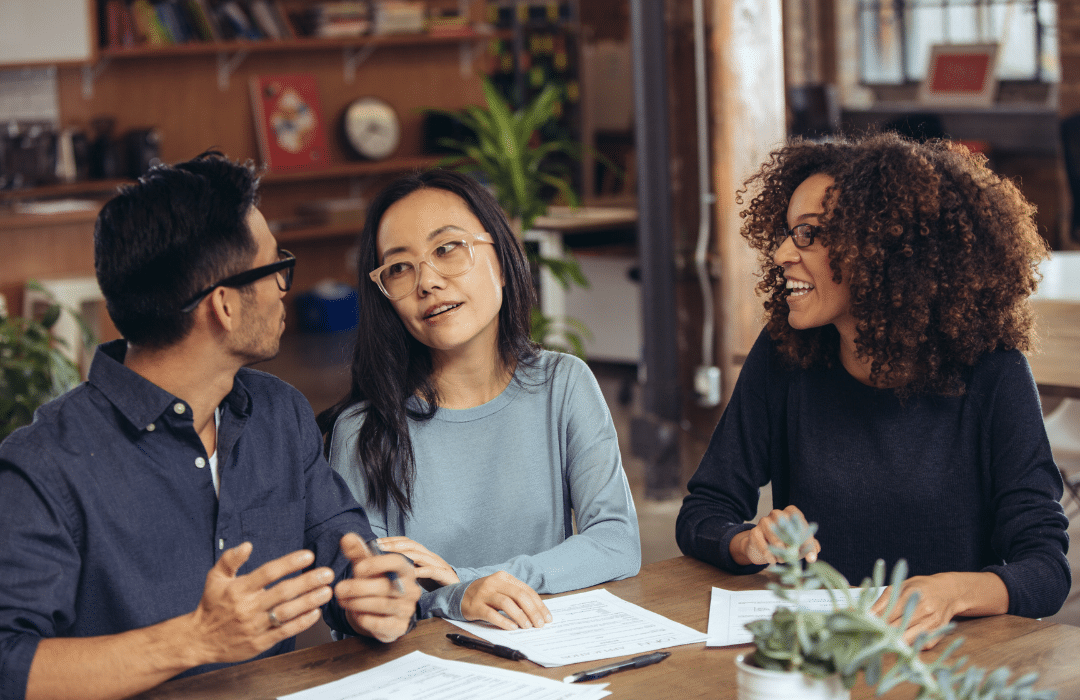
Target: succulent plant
[{"x": 850, "y": 638}]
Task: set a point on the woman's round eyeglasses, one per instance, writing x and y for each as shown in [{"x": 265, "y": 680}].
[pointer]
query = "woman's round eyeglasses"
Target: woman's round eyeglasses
[
  {"x": 450, "y": 257},
  {"x": 802, "y": 235},
  {"x": 283, "y": 268}
]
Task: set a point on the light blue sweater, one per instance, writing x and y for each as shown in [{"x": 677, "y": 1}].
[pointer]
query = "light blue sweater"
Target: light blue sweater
[{"x": 498, "y": 486}]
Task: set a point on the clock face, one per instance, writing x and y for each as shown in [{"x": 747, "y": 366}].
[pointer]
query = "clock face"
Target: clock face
[{"x": 372, "y": 128}]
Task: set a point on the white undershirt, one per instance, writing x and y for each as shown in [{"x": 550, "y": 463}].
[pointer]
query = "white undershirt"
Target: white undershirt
[{"x": 213, "y": 458}]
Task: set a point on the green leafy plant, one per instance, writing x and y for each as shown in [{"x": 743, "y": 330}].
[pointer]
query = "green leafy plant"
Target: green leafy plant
[
  {"x": 507, "y": 153},
  {"x": 33, "y": 369},
  {"x": 851, "y": 638}
]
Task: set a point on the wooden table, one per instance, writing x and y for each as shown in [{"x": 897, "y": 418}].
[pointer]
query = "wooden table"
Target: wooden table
[
  {"x": 677, "y": 588},
  {"x": 1057, "y": 320}
]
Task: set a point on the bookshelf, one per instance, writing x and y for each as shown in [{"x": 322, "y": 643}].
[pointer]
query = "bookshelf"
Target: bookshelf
[{"x": 176, "y": 90}]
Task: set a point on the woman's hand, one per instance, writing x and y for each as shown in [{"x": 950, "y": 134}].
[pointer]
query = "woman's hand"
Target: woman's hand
[
  {"x": 486, "y": 597},
  {"x": 944, "y": 596},
  {"x": 752, "y": 546},
  {"x": 429, "y": 565}
]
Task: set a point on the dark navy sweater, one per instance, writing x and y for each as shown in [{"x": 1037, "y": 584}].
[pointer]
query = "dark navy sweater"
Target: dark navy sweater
[{"x": 962, "y": 483}]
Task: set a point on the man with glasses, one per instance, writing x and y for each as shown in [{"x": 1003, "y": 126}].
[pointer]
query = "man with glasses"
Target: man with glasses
[{"x": 174, "y": 513}]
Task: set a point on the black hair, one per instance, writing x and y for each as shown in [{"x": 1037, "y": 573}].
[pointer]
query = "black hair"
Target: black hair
[
  {"x": 161, "y": 240},
  {"x": 389, "y": 366}
]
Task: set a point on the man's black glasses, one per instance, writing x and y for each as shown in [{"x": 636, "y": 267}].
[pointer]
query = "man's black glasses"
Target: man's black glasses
[
  {"x": 283, "y": 268},
  {"x": 802, "y": 235}
]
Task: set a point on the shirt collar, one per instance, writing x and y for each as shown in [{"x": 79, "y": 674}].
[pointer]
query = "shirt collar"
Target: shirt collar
[{"x": 138, "y": 399}]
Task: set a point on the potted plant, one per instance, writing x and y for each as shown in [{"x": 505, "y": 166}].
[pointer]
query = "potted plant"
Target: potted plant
[
  {"x": 823, "y": 652},
  {"x": 33, "y": 369},
  {"x": 506, "y": 153}
]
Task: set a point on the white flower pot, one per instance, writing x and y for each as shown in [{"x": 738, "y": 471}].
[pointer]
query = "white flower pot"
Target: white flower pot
[{"x": 758, "y": 684}]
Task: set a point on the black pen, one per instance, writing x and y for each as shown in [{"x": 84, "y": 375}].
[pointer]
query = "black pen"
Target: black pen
[
  {"x": 374, "y": 548},
  {"x": 479, "y": 644},
  {"x": 636, "y": 662}
]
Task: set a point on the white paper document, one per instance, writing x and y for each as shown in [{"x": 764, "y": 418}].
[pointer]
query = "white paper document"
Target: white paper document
[
  {"x": 729, "y": 611},
  {"x": 587, "y": 627},
  {"x": 418, "y": 675}
]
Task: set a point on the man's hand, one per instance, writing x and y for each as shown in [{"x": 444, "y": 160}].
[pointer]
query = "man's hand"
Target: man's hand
[
  {"x": 944, "y": 596},
  {"x": 752, "y": 546},
  {"x": 486, "y": 597},
  {"x": 429, "y": 565},
  {"x": 233, "y": 621},
  {"x": 371, "y": 602}
]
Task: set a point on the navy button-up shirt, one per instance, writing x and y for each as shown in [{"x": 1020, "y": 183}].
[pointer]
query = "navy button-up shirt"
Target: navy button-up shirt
[{"x": 108, "y": 516}]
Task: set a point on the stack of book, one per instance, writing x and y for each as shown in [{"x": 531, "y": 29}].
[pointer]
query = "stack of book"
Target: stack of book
[
  {"x": 129, "y": 23},
  {"x": 335, "y": 19}
]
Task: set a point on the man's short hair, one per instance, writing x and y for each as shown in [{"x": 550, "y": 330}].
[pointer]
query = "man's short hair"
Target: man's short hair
[{"x": 160, "y": 241}]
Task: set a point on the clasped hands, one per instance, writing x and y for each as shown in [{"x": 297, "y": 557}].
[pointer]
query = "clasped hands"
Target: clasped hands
[
  {"x": 942, "y": 596},
  {"x": 501, "y": 599},
  {"x": 241, "y": 616}
]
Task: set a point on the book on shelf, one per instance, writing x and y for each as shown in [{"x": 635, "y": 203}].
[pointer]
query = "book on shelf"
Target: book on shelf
[
  {"x": 148, "y": 24},
  {"x": 269, "y": 19},
  {"x": 235, "y": 23},
  {"x": 288, "y": 122},
  {"x": 399, "y": 16},
  {"x": 340, "y": 18},
  {"x": 118, "y": 29},
  {"x": 201, "y": 20}
]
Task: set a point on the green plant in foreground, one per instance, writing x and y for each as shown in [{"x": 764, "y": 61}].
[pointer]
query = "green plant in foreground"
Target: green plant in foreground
[
  {"x": 33, "y": 369},
  {"x": 851, "y": 638}
]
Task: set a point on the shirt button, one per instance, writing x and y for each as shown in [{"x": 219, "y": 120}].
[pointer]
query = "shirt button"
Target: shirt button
[
  {"x": 179, "y": 408},
  {"x": 151, "y": 428},
  {"x": 221, "y": 544},
  {"x": 200, "y": 462}
]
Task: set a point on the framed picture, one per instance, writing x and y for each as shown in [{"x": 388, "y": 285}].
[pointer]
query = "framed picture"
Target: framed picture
[
  {"x": 288, "y": 122},
  {"x": 960, "y": 75}
]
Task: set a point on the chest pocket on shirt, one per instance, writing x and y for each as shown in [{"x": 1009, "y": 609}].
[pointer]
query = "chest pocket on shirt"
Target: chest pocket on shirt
[{"x": 274, "y": 531}]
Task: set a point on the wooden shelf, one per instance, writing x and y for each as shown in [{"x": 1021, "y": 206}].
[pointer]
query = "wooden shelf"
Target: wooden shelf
[
  {"x": 318, "y": 233},
  {"x": 72, "y": 189},
  {"x": 301, "y": 44},
  {"x": 337, "y": 171}
]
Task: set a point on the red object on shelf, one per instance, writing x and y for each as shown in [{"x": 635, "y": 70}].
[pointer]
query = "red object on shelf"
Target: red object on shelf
[{"x": 288, "y": 122}]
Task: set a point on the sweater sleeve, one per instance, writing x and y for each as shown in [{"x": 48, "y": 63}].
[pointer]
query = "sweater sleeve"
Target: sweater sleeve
[
  {"x": 725, "y": 489},
  {"x": 1029, "y": 528},
  {"x": 607, "y": 545}
]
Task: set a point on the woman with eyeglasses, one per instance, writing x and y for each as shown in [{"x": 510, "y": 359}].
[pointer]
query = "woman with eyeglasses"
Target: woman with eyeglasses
[
  {"x": 887, "y": 398},
  {"x": 474, "y": 452}
]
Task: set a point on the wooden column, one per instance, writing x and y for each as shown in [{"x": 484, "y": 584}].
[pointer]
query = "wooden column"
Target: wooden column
[{"x": 747, "y": 114}]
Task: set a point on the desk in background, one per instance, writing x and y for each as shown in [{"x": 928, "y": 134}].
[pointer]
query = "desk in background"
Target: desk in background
[
  {"x": 1056, "y": 360},
  {"x": 676, "y": 588},
  {"x": 611, "y": 307}
]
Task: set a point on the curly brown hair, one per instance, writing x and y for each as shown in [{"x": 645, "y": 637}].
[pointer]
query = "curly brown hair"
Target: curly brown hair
[{"x": 940, "y": 252}]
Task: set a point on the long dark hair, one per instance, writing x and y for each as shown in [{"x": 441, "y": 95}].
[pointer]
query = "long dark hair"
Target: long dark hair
[{"x": 389, "y": 366}]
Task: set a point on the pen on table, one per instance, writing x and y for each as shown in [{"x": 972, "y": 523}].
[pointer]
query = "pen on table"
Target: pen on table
[
  {"x": 481, "y": 645},
  {"x": 373, "y": 545},
  {"x": 636, "y": 662}
]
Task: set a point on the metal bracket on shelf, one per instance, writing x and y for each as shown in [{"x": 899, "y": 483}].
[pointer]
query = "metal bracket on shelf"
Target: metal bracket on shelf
[
  {"x": 227, "y": 65},
  {"x": 467, "y": 51},
  {"x": 351, "y": 57},
  {"x": 90, "y": 74}
]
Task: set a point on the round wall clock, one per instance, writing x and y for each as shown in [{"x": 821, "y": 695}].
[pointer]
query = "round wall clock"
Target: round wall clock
[{"x": 372, "y": 128}]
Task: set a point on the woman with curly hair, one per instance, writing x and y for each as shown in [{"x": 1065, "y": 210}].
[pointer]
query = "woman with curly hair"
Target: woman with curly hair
[{"x": 887, "y": 398}]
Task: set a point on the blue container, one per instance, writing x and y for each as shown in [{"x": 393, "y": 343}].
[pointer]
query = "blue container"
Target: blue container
[{"x": 329, "y": 307}]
